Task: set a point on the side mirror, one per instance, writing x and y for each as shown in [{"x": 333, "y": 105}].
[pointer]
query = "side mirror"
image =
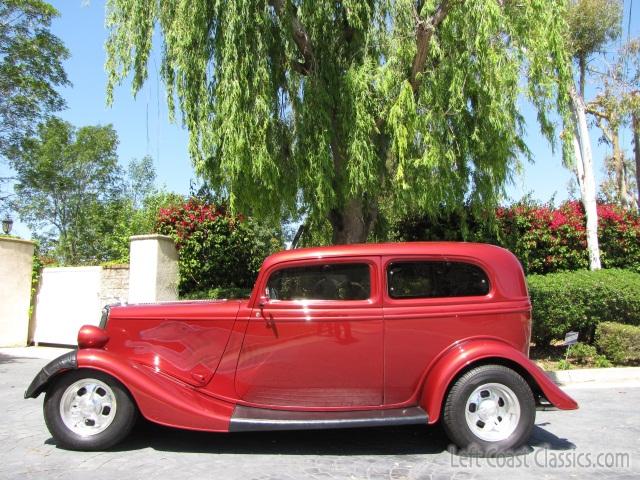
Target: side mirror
[{"x": 264, "y": 300}]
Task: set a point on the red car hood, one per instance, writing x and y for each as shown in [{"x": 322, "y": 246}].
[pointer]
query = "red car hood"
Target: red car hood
[{"x": 179, "y": 310}]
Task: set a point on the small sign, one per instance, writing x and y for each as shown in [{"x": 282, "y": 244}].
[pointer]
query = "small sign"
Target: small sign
[{"x": 570, "y": 338}]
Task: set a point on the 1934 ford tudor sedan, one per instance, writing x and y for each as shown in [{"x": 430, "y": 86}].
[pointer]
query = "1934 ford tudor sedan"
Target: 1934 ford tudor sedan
[{"x": 344, "y": 336}]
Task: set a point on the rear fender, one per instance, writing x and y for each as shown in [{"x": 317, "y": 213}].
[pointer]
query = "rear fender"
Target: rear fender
[
  {"x": 481, "y": 351},
  {"x": 160, "y": 398}
]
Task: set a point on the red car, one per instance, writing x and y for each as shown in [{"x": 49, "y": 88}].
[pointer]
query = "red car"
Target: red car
[{"x": 344, "y": 336}]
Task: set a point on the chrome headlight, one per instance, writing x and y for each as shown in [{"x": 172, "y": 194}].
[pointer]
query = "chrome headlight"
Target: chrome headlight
[{"x": 105, "y": 316}]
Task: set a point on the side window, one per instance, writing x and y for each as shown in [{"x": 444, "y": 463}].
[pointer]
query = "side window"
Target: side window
[
  {"x": 436, "y": 280},
  {"x": 339, "y": 281}
]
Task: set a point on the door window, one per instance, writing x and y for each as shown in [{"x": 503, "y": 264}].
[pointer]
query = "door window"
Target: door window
[{"x": 331, "y": 281}]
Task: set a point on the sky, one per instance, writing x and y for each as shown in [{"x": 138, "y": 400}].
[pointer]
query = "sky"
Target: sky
[{"x": 143, "y": 125}]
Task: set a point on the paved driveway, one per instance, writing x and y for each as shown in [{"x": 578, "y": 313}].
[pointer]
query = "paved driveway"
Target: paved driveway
[{"x": 564, "y": 445}]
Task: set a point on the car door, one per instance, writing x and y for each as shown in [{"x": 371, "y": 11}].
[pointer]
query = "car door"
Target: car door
[
  {"x": 315, "y": 337},
  {"x": 430, "y": 302}
]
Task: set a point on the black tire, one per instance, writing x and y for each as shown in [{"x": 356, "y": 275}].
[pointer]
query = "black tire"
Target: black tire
[
  {"x": 123, "y": 420},
  {"x": 455, "y": 421}
]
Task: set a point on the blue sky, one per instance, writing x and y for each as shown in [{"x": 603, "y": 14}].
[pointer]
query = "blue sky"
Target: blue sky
[{"x": 144, "y": 129}]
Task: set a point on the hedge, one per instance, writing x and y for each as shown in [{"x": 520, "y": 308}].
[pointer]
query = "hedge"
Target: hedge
[
  {"x": 620, "y": 343},
  {"x": 579, "y": 301},
  {"x": 218, "y": 293}
]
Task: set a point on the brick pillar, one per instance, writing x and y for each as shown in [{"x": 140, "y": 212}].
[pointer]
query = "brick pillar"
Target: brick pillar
[
  {"x": 153, "y": 269},
  {"x": 16, "y": 263}
]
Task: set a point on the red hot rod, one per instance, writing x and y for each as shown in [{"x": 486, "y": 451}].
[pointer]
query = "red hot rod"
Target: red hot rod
[{"x": 344, "y": 336}]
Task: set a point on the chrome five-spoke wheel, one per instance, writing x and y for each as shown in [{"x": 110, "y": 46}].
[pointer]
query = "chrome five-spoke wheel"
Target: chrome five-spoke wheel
[{"x": 88, "y": 407}]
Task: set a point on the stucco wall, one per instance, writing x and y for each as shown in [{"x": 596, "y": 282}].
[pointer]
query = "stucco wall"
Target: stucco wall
[
  {"x": 154, "y": 269},
  {"x": 16, "y": 260}
]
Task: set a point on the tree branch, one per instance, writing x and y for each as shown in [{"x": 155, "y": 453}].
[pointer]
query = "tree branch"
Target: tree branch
[
  {"x": 591, "y": 108},
  {"x": 424, "y": 32},
  {"x": 300, "y": 37}
]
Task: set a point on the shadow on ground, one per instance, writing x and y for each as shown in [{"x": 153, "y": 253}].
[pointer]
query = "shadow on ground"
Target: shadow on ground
[
  {"x": 405, "y": 440},
  {"x": 6, "y": 359}
]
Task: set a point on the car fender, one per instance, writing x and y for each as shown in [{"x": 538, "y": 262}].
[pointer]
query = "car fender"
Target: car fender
[
  {"x": 39, "y": 384},
  {"x": 466, "y": 353},
  {"x": 160, "y": 398}
]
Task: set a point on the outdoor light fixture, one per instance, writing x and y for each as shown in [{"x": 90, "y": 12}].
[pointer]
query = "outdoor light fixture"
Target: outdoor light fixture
[{"x": 7, "y": 223}]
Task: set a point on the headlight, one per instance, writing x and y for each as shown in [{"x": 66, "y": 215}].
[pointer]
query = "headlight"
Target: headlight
[{"x": 105, "y": 316}]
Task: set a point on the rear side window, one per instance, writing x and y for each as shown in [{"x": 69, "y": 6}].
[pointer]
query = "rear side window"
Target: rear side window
[
  {"x": 341, "y": 281},
  {"x": 436, "y": 280}
]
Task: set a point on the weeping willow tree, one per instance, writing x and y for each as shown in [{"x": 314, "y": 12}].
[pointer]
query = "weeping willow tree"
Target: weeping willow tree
[{"x": 345, "y": 106}]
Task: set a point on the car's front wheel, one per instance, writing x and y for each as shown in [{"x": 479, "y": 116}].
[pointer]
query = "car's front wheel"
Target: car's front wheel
[
  {"x": 489, "y": 409},
  {"x": 88, "y": 410}
]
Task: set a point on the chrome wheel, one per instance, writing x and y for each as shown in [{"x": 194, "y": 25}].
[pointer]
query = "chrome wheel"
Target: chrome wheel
[
  {"x": 492, "y": 412},
  {"x": 88, "y": 407}
]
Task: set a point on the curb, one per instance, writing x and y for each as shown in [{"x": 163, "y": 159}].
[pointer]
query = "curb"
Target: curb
[
  {"x": 44, "y": 353},
  {"x": 585, "y": 376}
]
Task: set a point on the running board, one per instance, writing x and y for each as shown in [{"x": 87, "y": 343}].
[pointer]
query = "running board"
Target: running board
[{"x": 249, "y": 419}]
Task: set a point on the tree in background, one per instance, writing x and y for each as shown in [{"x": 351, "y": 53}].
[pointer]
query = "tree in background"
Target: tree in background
[
  {"x": 342, "y": 107},
  {"x": 613, "y": 108},
  {"x": 592, "y": 24},
  {"x": 134, "y": 211},
  {"x": 64, "y": 178},
  {"x": 30, "y": 69}
]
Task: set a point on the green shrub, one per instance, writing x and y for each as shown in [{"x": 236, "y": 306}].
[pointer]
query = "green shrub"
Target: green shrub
[
  {"x": 579, "y": 300},
  {"x": 582, "y": 353},
  {"x": 218, "y": 293},
  {"x": 601, "y": 361},
  {"x": 619, "y": 342}
]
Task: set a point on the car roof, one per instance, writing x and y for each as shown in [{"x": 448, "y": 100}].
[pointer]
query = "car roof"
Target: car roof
[{"x": 478, "y": 250}]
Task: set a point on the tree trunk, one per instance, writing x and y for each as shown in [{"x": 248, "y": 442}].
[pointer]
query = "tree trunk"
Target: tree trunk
[
  {"x": 353, "y": 222},
  {"x": 636, "y": 149},
  {"x": 586, "y": 180},
  {"x": 618, "y": 163}
]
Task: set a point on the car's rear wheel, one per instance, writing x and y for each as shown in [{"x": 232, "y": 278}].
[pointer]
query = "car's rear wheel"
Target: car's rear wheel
[
  {"x": 489, "y": 409},
  {"x": 88, "y": 410}
]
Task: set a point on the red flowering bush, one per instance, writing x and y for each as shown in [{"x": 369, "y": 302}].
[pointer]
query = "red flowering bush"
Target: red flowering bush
[
  {"x": 546, "y": 239},
  {"x": 217, "y": 251}
]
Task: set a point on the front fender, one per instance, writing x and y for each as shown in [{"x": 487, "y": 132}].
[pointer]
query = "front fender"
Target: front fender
[
  {"x": 65, "y": 362},
  {"x": 441, "y": 375},
  {"x": 159, "y": 397}
]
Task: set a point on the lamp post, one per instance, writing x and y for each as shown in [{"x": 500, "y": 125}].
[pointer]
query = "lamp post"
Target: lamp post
[{"x": 7, "y": 224}]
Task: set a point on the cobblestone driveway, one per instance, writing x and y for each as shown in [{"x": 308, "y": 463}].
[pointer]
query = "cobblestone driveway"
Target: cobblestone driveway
[{"x": 563, "y": 445}]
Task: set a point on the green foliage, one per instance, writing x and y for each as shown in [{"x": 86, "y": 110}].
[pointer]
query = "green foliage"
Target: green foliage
[
  {"x": 218, "y": 293},
  {"x": 78, "y": 201},
  {"x": 545, "y": 239},
  {"x": 582, "y": 353},
  {"x": 343, "y": 107},
  {"x": 216, "y": 250},
  {"x": 65, "y": 176},
  {"x": 592, "y": 24},
  {"x": 601, "y": 361},
  {"x": 564, "y": 365},
  {"x": 30, "y": 68},
  {"x": 579, "y": 301},
  {"x": 619, "y": 342}
]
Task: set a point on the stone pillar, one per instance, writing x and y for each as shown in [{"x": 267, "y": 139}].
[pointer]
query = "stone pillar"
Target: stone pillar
[
  {"x": 153, "y": 269},
  {"x": 16, "y": 263}
]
